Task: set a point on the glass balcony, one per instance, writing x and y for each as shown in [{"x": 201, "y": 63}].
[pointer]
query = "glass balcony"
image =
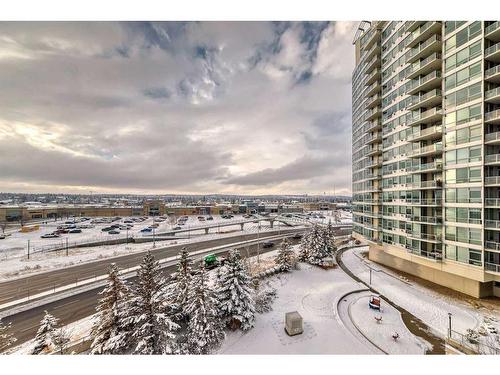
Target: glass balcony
[
  {"x": 434, "y": 149},
  {"x": 433, "y": 44},
  {"x": 427, "y": 117},
  {"x": 423, "y": 32},
  {"x": 492, "y": 159},
  {"x": 492, "y": 74},
  {"x": 492, "y": 32},
  {"x": 492, "y": 117},
  {"x": 492, "y": 267},
  {"x": 425, "y": 168},
  {"x": 492, "y": 202},
  {"x": 493, "y": 53},
  {"x": 423, "y": 202},
  {"x": 430, "y": 81},
  {"x": 492, "y": 245},
  {"x": 429, "y": 99},
  {"x": 492, "y": 96},
  {"x": 492, "y": 224},
  {"x": 425, "y": 219},
  {"x": 492, "y": 181},
  {"x": 492, "y": 138},
  {"x": 425, "y": 66},
  {"x": 433, "y": 132}
]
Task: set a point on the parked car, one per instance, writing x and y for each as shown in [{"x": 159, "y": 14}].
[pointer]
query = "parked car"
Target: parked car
[
  {"x": 107, "y": 229},
  {"x": 2, "y": 236},
  {"x": 177, "y": 228},
  {"x": 75, "y": 231},
  {"x": 146, "y": 230},
  {"x": 114, "y": 232},
  {"x": 210, "y": 218},
  {"x": 297, "y": 236}
]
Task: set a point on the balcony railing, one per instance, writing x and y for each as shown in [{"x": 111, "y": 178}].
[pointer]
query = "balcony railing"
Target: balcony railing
[
  {"x": 494, "y": 224},
  {"x": 492, "y": 72},
  {"x": 415, "y": 51},
  {"x": 492, "y": 93},
  {"x": 493, "y": 202},
  {"x": 493, "y": 115},
  {"x": 492, "y": 245},
  {"x": 416, "y": 83},
  {"x": 492, "y": 267},
  {"x": 425, "y": 167},
  {"x": 494, "y": 180},
  {"x": 492, "y": 159},
  {"x": 491, "y": 137},
  {"x": 425, "y": 219},
  {"x": 425, "y": 132},
  {"x": 492, "y": 50},
  {"x": 416, "y": 99},
  {"x": 434, "y": 148},
  {"x": 494, "y": 26}
]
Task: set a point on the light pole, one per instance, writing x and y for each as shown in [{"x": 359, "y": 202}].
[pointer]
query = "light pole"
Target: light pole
[
  {"x": 258, "y": 243},
  {"x": 370, "y": 276},
  {"x": 154, "y": 240},
  {"x": 126, "y": 241},
  {"x": 449, "y": 325}
]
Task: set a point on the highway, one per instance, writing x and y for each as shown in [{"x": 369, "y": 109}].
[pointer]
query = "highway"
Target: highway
[
  {"x": 30, "y": 285},
  {"x": 70, "y": 309}
]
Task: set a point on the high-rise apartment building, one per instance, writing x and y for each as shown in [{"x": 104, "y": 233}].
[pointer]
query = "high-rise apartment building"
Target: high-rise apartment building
[{"x": 426, "y": 149}]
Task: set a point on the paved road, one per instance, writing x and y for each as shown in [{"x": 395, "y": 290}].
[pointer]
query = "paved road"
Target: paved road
[
  {"x": 31, "y": 285},
  {"x": 70, "y": 309}
]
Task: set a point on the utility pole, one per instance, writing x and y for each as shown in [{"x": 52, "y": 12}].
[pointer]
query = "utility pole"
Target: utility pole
[
  {"x": 67, "y": 247},
  {"x": 127, "y": 236},
  {"x": 370, "y": 276},
  {"x": 28, "y": 249}
]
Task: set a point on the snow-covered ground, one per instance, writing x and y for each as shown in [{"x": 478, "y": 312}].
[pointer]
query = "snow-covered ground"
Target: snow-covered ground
[
  {"x": 12, "y": 267},
  {"x": 312, "y": 292},
  {"x": 429, "y": 306}
]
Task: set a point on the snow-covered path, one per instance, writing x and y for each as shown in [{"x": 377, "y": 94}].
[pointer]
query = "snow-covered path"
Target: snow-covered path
[{"x": 430, "y": 307}]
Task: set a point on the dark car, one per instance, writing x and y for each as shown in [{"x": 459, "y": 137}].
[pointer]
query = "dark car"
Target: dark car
[
  {"x": 210, "y": 218},
  {"x": 50, "y": 235},
  {"x": 107, "y": 229},
  {"x": 297, "y": 236},
  {"x": 177, "y": 228},
  {"x": 75, "y": 231},
  {"x": 146, "y": 230},
  {"x": 267, "y": 244},
  {"x": 114, "y": 232}
]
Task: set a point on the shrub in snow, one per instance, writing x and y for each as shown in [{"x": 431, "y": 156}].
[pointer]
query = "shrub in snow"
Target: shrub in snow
[
  {"x": 205, "y": 331},
  {"x": 6, "y": 337},
  {"x": 472, "y": 336},
  {"x": 264, "y": 300},
  {"x": 108, "y": 334},
  {"x": 234, "y": 293},
  {"x": 45, "y": 335},
  {"x": 179, "y": 287},
  {"x": 60, "y": 339},
  {"x": 151, "y": 330},
  {"x": 286, "y": 257}
]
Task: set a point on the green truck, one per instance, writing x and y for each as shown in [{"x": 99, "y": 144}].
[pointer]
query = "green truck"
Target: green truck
[{"x": 212, "y": 261}]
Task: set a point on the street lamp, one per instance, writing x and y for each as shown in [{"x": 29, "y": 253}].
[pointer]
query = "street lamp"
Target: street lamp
[
  {"x": 449, "y": 325},
  {"x": 154, "y": 240}
]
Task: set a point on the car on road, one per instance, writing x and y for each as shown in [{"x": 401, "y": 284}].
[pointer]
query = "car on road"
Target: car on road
[
  {"x": 212, "y": 261},
  {"x": 50, "y": 235},
  {"x": 177, "y": 228},
  {"x": 75, "y": 231},
  {"x": 297, "y": 236},
  {"x": 146, "y": 230},
  {"x": 107, "y": 229},
  {"x": 267, "y": 244},
  {"x": 210, "y": 218},
  {"x": 114, "y": 232},
  {"x": 2, "y": 236}
]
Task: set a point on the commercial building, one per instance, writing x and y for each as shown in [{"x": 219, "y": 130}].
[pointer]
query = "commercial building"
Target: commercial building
[{"x": 426, "y": 149}]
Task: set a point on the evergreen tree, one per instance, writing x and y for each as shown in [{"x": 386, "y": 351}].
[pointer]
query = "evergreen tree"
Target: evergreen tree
[
  {"x": 108, "y": 333},
  {"x": 179, "y": 289},
  {"x": 285, "y": 256},
  {"x": 6, "y": 337},
  {"x": 234, "y": 292},
  {"x": 151, "y": 328},
  {"x": 205, "y": 330},
  {"x": 44, "y": 336},
  {"x": 319, "y": 248},
  {"x": 329, "y": 237}
]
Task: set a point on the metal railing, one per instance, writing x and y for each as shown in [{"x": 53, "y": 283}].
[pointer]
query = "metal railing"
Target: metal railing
[
  {"x": 494, "y": 26},
  {"x": 492, "y": 267},
  {"x": 493, "y": 115},
  {"x": 492, "y": 180},
  {"x": 491, "y": 50},
  {"x": 492, "y": 159},
  {"x": 492, "y": 71}
]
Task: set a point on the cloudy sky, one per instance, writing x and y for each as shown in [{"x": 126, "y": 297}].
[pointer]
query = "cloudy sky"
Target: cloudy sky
[{"x": 211, "y": 107}]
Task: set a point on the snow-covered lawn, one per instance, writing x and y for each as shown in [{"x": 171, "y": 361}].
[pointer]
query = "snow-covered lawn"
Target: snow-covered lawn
[
  {"x": 312, "y": 292},
  {"x": 427, "y": 305}
]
